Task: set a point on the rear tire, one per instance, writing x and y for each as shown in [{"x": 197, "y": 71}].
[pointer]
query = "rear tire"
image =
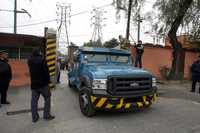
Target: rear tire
[{"x": 85, "y": 103}]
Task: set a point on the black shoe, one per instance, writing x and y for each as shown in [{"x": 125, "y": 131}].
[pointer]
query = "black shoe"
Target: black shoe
[
  {"x": 36, "y": 119},
  {"x": 5, "y": 102},
  {"x": 49, "y": 118}
]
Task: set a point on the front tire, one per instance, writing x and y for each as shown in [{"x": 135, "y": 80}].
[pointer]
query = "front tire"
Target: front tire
[{"x": 85, "y": 103}]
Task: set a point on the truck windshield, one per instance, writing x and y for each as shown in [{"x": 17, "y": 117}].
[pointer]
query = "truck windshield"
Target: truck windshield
[
  {"x": 119, "y": 59},
  {"x": 103, "y": 58},
  {"x": 95, "y": 57}
]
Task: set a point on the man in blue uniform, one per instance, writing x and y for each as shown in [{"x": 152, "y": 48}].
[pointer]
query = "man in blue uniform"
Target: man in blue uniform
[
  {"x": 139, "y": 53},
  {"x": 195, "y": 70},
  {"x": 5, "y": 76}
]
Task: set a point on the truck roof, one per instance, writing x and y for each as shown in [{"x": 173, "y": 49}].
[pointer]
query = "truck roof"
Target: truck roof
[{"x": 104, "y": 50}]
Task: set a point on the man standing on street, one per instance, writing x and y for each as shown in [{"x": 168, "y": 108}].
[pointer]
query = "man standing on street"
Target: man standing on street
[
  {"x": 139, "y": 53},
  {"x": 5, "y": 76},
  {"x": 39, "y": 85},
  {"x": 58, "y": 65},
  {"x": 195, "y": 70}
]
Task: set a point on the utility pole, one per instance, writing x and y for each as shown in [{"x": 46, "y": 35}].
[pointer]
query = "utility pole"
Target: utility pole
[
  {"x": 15, "y": 17},
  {"x": 64, "y": 16},
  {"x": 128, "y": 21},
  {"x": 139, "y": 20},
  {"x": 97, "y": 32},
  {"x": 15, "y": 22}
]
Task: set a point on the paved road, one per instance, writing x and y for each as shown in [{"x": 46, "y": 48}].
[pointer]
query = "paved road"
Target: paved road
[{"x": 171, "y": 114}]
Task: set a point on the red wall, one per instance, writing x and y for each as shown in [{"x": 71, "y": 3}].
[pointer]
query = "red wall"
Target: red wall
[
  {"x": 20, "y": 73},
  {"x": 154, "y": 58}
]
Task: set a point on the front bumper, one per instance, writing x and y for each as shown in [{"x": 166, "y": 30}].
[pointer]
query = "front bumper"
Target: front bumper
[{"x": 122, "y": 103}]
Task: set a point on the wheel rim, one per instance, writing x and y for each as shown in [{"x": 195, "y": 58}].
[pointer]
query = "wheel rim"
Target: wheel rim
[{"x": 84, "y": 100}]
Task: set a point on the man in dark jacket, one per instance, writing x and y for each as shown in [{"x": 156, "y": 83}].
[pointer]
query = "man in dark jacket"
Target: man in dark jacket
[
  {"x": 39, "y": 85},
  {"x": 5, "y": 76},
  {"x": 139, "y": 53},
  {"x": 195, "y": 70}
]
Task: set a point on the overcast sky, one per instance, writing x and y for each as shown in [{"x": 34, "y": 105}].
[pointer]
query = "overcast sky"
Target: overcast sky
[{"x": 80, "y": 29}]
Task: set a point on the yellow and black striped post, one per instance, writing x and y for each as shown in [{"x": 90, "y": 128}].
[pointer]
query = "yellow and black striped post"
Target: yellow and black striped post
[
  {"x": 50, "y": 54},
  {"x": 51, "y": 59}
]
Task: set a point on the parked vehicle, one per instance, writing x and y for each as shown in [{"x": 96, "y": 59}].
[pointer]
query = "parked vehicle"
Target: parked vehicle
[{"x": 106, "y": 79}]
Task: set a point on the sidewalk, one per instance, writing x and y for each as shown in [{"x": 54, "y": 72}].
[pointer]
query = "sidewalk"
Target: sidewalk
[{"x": 178, "y": 90}]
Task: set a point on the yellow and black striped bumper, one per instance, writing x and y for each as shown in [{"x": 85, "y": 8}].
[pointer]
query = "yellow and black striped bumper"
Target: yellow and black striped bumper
[{"x": 122, "y": 103}]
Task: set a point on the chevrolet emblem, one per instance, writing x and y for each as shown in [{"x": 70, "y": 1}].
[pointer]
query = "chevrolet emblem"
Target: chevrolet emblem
[{"x": 134, "y": 84}]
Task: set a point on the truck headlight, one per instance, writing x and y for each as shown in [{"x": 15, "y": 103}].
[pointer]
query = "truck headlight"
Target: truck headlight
[
  {"x": 99, "y": 84},
  {"x": 153, "y": 82}
]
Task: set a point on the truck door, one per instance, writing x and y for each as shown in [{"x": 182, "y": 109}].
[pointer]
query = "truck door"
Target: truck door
[
  {"x": 77, "y": 71},
  {"x": 74, "y": 73}
]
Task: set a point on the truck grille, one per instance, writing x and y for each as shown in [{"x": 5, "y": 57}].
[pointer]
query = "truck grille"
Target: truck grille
[{"x": 128, "y": 85}]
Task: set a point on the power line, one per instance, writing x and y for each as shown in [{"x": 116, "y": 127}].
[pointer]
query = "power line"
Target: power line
[
  {"x": 98, "y": 19},
  {"x": 65, "y": 16},
  {"x": 52, "y": 20},
  {"x": 32, "y": 24},
  {"x": 86, "y": 11}
]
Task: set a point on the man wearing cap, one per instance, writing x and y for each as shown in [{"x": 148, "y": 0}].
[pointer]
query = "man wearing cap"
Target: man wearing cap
[
  {"x": 195, "y": 70},
  {"x": 5, "y": 76}
]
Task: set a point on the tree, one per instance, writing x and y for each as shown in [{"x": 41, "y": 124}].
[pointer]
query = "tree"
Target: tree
[
  {"x": 91, "y": 43},
  {"x": 88, "y": 44},
  {"x": 131, "y": 7},
  {"x": 176, "y": 14},
  {"x": 173, "y": 15},
  {"x": 111, "y": 43}
]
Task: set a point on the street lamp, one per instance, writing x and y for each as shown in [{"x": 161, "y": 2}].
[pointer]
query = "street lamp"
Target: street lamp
[
  {"x": 15, "y": 15},
  {"x": 24, "y": 11}
]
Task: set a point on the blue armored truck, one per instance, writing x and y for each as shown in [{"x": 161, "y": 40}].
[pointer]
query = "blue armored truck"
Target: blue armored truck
[{"x": 106, "y": 79}]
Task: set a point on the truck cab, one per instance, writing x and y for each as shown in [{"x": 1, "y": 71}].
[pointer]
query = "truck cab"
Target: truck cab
[{"x": 106, "y": 79}]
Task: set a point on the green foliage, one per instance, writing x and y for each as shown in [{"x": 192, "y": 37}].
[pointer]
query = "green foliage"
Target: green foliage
[
  {"x": 88, "y": 44},
  {"x": 111, "y": 43},
  {"x": 91, "y": 43},
  {"x": 122, "y": 5}
]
